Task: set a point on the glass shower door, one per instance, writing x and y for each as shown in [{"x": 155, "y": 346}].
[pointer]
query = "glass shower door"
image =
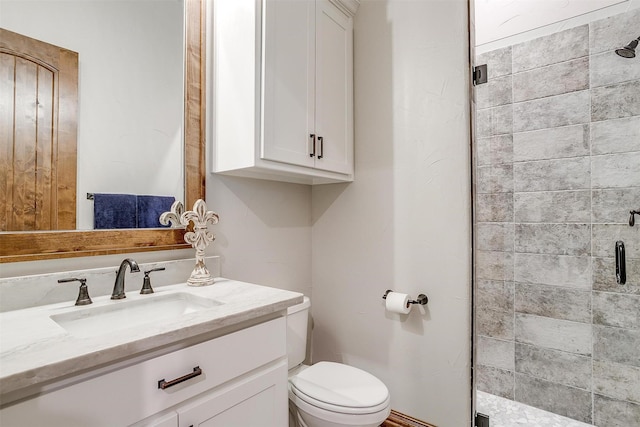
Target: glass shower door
[{"x": 556, "y": 174}]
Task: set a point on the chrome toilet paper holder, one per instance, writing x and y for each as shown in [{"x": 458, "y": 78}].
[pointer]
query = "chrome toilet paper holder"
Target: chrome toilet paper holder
[{"x": 422, "y": 298}]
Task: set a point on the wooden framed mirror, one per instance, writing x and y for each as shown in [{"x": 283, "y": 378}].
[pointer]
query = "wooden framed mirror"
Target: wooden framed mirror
[{"x": 30, "y": 246}]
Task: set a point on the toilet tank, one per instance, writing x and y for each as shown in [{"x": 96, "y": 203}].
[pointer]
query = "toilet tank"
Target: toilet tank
[{"x": 297, "y": 321}]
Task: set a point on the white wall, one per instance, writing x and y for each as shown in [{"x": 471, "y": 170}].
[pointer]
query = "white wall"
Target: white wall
[
  {"x": 405, "y": 221},
  {"x": 501, "y": 23},
  {"x": 130, "y": 106},
  {"x": 497, "y": 19},
  {"x": 264, "y": 233}
]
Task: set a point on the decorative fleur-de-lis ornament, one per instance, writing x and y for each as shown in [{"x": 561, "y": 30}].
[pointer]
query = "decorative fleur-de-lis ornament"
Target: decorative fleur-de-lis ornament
[
  {"x": 173, "y": 216},
  {"x": 199, "y": 237}
]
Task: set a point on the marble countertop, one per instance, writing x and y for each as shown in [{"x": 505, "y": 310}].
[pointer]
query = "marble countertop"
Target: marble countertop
[{"x": 36, "y": 350}]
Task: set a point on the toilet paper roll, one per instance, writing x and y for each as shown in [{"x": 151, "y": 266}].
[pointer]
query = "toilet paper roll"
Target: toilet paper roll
[{"x": 397, "y": 302}]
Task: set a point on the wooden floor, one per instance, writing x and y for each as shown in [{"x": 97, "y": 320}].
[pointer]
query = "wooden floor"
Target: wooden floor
[{"x": 397, "y": 419}]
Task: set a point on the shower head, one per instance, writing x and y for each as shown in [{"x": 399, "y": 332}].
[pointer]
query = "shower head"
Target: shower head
[{"x": 629, "y": 51}]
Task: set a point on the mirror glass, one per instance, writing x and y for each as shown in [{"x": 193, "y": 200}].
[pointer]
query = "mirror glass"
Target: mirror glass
[{"x": 130, "y": 90}]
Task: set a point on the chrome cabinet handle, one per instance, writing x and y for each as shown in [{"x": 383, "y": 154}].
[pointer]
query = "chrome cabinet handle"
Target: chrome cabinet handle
[
  {"x": 321, "y": 139},
  {"x": 313, "y": 145},
  {"x": 163, "y": 385}
]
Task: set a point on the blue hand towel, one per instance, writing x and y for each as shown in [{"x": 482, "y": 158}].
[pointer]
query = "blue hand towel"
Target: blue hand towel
[
  {"x": 150, "y": 208},
  {"x": 114, "y": 211}
]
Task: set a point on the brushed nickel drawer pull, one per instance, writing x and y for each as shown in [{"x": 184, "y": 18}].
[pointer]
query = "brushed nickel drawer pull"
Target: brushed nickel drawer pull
[{"x": 162, "y": 384}]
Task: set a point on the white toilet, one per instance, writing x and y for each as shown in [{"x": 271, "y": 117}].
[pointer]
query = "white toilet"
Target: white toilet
[{"x": 329, "y": 394}]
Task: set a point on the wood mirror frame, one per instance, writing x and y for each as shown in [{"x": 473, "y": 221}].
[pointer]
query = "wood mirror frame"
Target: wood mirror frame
[{"x": 31, "y": 246}]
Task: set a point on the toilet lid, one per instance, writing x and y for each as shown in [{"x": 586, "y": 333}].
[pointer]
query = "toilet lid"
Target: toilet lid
[{"x": 340, "y": 385}]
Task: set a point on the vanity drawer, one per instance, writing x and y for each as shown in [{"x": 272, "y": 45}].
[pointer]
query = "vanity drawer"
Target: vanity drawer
[{"x": 130, "y": 394}]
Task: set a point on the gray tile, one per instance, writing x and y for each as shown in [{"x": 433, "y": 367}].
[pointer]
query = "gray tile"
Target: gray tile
[
  {"x": 494, "y": 237},
  {"x": 552, "y": 365},
  {"x": 558, "y": 206},
  {"x": 553, "y": 143},
  {"x": 483, "y": 123},
  {"x": 494, "y": 121},
  {"x": 495, "y": 150},
  {"x": 495, "y": 381},
  {"x": 494, "y": 295},
  {"x": 556, "y": 270},
  {"x": 615, "y": 380},
  {"x": 498, "y": 62},
  {"x": 558, "y": 47},
  {"x": 495, "y": 324},
  {"x": 616, "y": 136},
  {"x": 616, "y": 345},
  {"x": 555, "y": 79},
  {"x": 559, "y": 399},
  {"x": 554, "y": 111},
  {"x": 495, "y": 92},
  {"x": 494, "y": 265},
  {"x": 619, "y": 310},
  {"x": 614, "y": 102},
  {"x": 497, "y": 207},
  {"x": 616, "y": 170},
  {"x": 612, "y": 206},
  {"x": 605, "y": 236},
  {"x": 552, "y": 175},
  {"x": 610, "y": 412},
  {"x": 496, "y": 353},
  {"x": 607, "y": 68},
  {"x": 613, "y": 32},
  {"x": 554, "y": 302},
  {"x": 558, "y": 239},
  {"x": 495, "y": 179},
  {"x": 604, "y": 276},
  {"x": 563, "y": 335}
]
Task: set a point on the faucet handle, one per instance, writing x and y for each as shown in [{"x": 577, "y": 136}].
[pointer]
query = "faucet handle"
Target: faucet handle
[
  {"x": 83, "y": 293},
  {"x": 146, "y": 282}
]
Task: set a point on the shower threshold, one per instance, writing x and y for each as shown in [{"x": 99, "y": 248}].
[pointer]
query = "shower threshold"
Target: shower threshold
[{"x": 507, "y": 413}]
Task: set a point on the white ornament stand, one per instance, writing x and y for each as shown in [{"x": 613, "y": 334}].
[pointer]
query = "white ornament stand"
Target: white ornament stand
[{"x": 199, "y": 238}]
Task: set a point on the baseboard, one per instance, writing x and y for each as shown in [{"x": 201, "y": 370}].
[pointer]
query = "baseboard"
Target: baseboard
[{"x": 397, "y": 419}]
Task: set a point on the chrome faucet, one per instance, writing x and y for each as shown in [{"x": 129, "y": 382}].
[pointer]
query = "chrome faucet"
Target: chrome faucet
[{"x": 118, "y": 287}]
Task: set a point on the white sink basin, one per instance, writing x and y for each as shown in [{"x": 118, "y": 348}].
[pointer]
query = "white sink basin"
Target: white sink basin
[{"x": 125, "y": 314}]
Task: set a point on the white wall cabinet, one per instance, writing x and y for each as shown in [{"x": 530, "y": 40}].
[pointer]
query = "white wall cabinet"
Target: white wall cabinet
[
  {"x": 283, "y": 89},
  {"x": 237, "y": 384}
]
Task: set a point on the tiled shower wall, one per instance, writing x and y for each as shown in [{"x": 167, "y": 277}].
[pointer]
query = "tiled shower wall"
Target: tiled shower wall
[{"x": 557, "y": 172}]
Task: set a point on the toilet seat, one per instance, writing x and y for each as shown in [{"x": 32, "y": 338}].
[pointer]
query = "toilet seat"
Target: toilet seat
[
  {"x": 341, "y": 389},
  {"x": 339, "y": 409}
]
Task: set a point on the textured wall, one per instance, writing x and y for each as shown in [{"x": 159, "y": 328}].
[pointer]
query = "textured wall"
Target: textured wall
[
  {"x": 404, "y": 223},
  {"x": 558, "y": 169},
  {"x": 264, "y": 233}
]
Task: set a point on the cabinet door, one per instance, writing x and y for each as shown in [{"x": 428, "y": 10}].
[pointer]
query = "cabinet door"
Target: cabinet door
[
  {"x": 259, "y": 400},
  {"x": 334, "y": 88},
  {"x": 168, "y": 420},
  {"x": 288, "y": 81}
]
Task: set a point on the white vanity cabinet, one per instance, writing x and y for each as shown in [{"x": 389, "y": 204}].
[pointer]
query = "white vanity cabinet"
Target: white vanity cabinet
[
  {"x": 255, "y": 401},
  {"x": 237, "y": 379},
  {"x": 282, "y": 73}
]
